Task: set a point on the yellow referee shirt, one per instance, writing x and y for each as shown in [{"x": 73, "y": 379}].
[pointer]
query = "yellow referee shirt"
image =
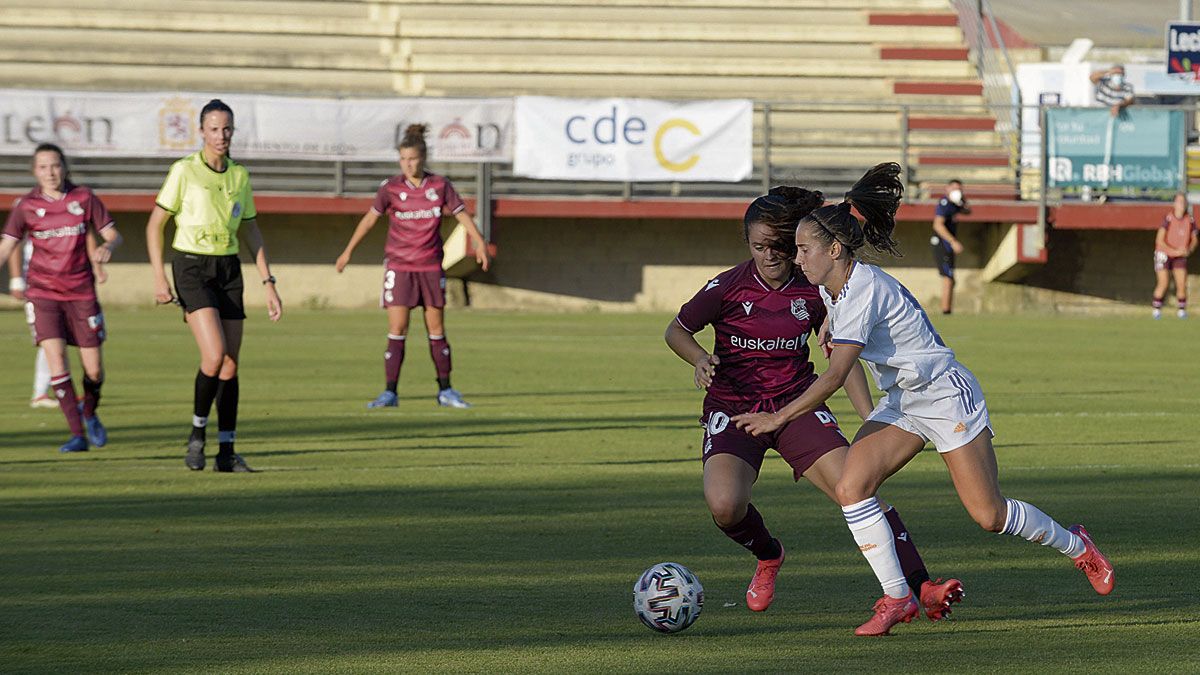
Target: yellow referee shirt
[{"x": 208, "y": 206}]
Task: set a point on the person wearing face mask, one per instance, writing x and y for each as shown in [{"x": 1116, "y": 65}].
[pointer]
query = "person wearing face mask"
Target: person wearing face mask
[
  {"x": 944, "y": 242},
  {"x": 1112, "y": 89},
  {"x": 762, "y": 313}
]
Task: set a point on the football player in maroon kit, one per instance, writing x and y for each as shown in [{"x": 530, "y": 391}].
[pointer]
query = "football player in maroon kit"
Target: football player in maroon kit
[
  {"x": 1175, "y": 241},
  {"x": 762, "y": 313},
  {"x": 415, "y": 202},
  {"x": 60, "y": 287}
]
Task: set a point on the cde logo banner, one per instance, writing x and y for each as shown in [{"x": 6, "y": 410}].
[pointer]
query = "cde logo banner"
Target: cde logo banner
[{"x": 632, "y": 139}]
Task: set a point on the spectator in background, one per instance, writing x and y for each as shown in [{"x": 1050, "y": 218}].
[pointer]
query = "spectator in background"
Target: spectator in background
[
  {"x": 944, "y": 242},
  {"x": 1112, "y": 90},
  {"x": 1175, "y": 241}
]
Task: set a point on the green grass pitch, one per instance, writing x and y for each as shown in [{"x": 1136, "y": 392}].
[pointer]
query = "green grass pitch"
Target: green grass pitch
[{"x": 507, "y": 538}]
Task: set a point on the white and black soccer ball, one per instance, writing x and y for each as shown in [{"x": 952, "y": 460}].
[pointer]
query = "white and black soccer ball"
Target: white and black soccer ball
[{"x": 668, "y": 597}]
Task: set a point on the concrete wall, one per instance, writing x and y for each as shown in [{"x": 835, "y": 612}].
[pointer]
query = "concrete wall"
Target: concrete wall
[{"x": 624, "y": 265}]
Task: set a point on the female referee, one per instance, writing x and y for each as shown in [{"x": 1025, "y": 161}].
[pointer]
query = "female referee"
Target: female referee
[
  {"x": 60, "y": 285},
  {"x": 415, "y": 202},
  {"x": 762, "y": 312},
  {"x": 210, "y": 198},
  {"x": 928, "y": 396}
]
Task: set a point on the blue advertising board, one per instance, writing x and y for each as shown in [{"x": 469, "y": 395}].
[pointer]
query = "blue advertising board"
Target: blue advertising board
[
  {"x": 1183, "y": 49},
  {"x": 1141, "y": 148}
]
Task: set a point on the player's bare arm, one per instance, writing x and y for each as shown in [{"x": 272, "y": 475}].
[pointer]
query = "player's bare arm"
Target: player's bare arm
[
  {"x": 844, "y": 358},
  {"x": 685, "y": 347},
  {"x": 476, "y": 237},
  {"x": 859, "y": 391},
  {"x": 364, "y": 226},
  {"x": 16, "y": 281},
  {"x": 112, "y": 239},
  {"x": 154, "y": 248},
  {"x": 939, "y": 226},
  {"x": 250, "y": 234}
]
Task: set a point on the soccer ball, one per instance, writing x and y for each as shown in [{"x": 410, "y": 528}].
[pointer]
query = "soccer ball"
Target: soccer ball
[{"x": 668, "y": 597}]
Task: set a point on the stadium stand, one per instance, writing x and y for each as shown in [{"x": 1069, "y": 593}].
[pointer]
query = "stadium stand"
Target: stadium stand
[{"x": 871, "y": 57}]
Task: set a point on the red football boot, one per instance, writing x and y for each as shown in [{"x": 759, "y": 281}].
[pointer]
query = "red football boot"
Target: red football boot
[
  {"x": 889, "y": 611},
  {"x": 1093, "y": 563},
  {"x": 937, "y": 596},
  {"x": 762, "y": 585}
]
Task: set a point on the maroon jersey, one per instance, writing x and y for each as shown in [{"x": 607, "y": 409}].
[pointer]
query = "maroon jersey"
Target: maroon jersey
[
  {"x": 1179, "y": 230},
  {"x": 414, "y": 212},
  {"x": 761, "y": 335},
  {"x": 60, "y": 268}
]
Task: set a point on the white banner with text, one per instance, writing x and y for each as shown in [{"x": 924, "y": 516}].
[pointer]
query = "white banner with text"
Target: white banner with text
[
  {"x": 115, "y": 124},
  {"x": 624, "y": 139}
]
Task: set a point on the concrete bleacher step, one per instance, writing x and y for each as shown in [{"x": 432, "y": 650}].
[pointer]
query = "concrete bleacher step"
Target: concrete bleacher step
[
  {"x": 614, "y": 15},
  {"x": 132, "y": 56},
  {"x": 668, "y": 32},
  {"x": 670, "y": 86},
  {"x": 907, "y": 5},
  {"x": 192, "y": 21},
  {"x": 157, "y": 42},
  {"x": 743, "y": 49},
  {"x": 683, "y": 66},
  {"x": 196, "y": 78},
  {"x": 316, "y": 8}
]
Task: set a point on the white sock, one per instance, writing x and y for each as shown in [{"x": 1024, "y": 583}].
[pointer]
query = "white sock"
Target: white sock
[
  {"x": 874, "y": 538},
  {"x": 1026, "y": 520},
  {"x": 41, "y": 374},
  {"x": 198, "y": 421}
]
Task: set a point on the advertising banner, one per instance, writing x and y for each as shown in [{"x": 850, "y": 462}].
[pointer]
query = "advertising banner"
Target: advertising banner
[
  {"x": 113, "y": 124},
  {"x": 1141, "y": 148},
  {"x": 623, "y": 139},
  {"x": 1183, "y": 49}
]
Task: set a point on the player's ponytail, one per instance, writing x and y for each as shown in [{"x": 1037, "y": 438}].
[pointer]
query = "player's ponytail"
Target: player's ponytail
[
  {"x": 414, "y": 137},
  {"x": 877, "y": 197},
  {"x": 215, "y": 105},
  {"x": 781, "y": 210}
]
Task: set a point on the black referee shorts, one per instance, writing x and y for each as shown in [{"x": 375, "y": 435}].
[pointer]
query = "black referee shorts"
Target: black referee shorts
[
  {"x": 209, "y": 281},
  {"x": 943, "y": 258}
]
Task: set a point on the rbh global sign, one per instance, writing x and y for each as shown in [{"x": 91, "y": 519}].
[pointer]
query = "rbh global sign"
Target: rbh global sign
[
  {"x": 1183, "y": 49},
  {"x": 632, "y": 139}
]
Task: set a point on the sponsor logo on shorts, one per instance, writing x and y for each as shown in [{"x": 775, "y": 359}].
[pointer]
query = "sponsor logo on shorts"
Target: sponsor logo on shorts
[
  {"x": 903, "y": 536},
  {"x": 1038, "y": 539},
  {"x": 419, "y": 214},
  {"x": 96, "y": 321},
  {"x": 65, "y": 231},
  {"x": 707, "y": 445},
  {"x": 960, "y": 428},
  {"x": 767, "y": 344},
  {"x": 74, "y": 209}
]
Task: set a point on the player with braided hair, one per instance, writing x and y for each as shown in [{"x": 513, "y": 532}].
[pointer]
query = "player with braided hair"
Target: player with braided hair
[
  {"x": 415, "y": 202},
  {"x": 928, "y": 396},
  {"x": 763, "y": 312}
]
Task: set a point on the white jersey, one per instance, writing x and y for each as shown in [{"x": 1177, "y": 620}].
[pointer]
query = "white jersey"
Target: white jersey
[{"x": 877, "y": 313}]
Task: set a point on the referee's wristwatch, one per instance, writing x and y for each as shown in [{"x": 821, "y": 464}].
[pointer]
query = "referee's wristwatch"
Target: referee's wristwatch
[{"x": 269, "y": 280}]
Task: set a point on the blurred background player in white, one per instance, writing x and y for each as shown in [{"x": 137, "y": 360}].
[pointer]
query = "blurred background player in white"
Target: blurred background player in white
[
  {"x": 928, "y": 396},
  {"x": 60, "y": 284},
  {"x": 944, "y": 242},
  {"x": 212, "y": 202},
  {"x": 415, "y": 202},
  {"x": 1175, "y": 241},
  {"x": 17, "y": 264},
  {"x": 762, "y": 313}
]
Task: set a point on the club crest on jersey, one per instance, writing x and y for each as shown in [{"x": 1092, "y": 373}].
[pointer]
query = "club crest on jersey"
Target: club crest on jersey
[
  {"x": 41, "y": 213},
  {"x": 237, "y": 210},
  {"x": 747, "y": 306},
  {"x": 799, "y": 310},
  {"x": 431, "y": 195},
  {"x": 74, "y": 209},
  {"x": 403, "y": 196}
]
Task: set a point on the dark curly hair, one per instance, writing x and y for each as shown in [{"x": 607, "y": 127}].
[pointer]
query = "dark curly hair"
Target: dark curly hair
[{"x": 781, "y": 210}]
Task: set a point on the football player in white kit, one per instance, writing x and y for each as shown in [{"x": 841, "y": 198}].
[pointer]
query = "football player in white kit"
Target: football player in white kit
[{"x": 928, "y": 396}]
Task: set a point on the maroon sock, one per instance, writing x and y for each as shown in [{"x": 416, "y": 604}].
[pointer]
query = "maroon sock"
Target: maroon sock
[
  {"x": 752, "y": 534},
  {"x": 64, "y": 391},
  {"x": 910, "y": 560},
  {"x": 91, "y": 396},
  {"x": 1156, "y": 303},
  {"x": 439, "y": 349},
  {"x": 1182, "y": 303},
  {"x": 393, "y": 358}
]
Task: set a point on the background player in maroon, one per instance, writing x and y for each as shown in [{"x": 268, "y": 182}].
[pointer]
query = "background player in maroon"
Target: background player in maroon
[
  {"x": 61, "y": 286},
  {"x": 762, "y": 313},
  {"x": 415, "y": 202},
  {"x": 1175, "y": 241}
]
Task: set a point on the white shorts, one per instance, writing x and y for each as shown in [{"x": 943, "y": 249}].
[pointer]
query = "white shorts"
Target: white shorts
[{"x": 949, "y": 411}]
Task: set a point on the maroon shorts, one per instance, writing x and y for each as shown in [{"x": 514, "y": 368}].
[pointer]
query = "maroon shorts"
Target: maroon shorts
[
  {"x": 79, "y": 322},
  {"x": 403, "y": 288},
  {"x": 1162, "y": 261},
  {"x": 800, "y": 442}
]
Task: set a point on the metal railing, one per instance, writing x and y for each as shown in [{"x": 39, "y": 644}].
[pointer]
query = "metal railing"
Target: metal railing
[{"x": 995, "y": 68}]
